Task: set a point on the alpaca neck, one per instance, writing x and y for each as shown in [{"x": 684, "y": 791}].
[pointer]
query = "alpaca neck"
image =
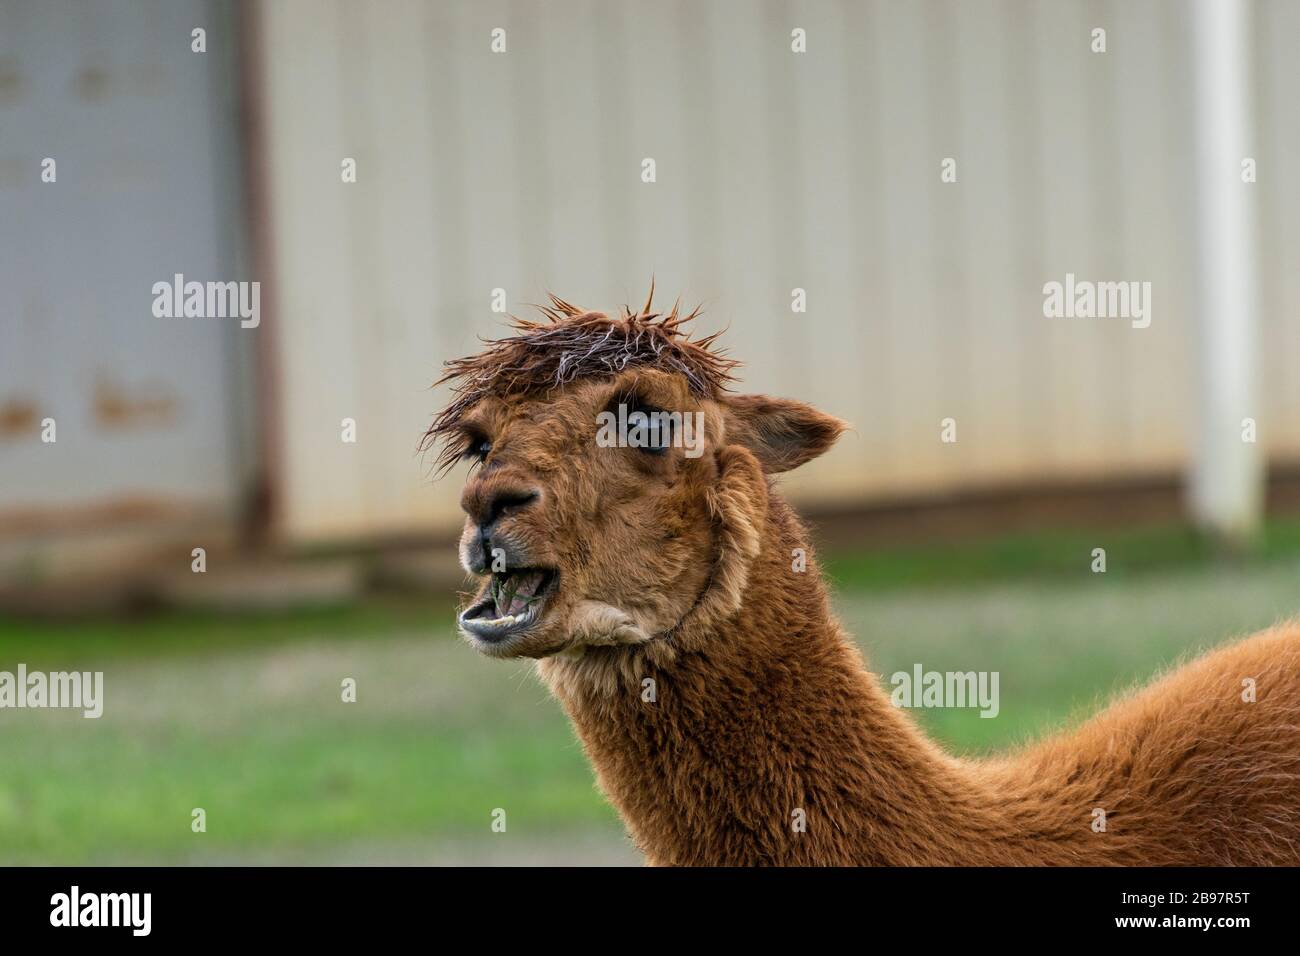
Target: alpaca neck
[{"x": 765, "y": 740}]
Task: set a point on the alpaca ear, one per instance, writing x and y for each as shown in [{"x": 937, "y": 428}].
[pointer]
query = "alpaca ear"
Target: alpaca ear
[{"x": 781, "y": 433}]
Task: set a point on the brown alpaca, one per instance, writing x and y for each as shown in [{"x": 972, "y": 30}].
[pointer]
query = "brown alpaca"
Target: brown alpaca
[{"x": 716, "y": 695}]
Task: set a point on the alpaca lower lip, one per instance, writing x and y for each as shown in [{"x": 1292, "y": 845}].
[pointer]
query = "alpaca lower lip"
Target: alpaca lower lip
[{"x": 509, "y": 604}]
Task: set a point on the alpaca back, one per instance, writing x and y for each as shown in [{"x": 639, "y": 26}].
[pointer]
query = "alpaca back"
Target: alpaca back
[{"x": 1189, "y": 770}]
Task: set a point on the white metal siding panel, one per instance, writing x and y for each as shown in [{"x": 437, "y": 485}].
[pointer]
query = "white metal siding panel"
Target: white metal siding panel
[{"x": 775, "y": 171}]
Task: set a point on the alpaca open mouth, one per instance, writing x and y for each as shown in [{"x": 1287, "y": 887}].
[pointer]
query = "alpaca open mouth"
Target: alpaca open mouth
[{"x": 511, "y": 601}]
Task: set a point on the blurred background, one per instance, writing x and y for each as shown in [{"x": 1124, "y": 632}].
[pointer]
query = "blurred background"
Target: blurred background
[{"x": 799, "y": 157}]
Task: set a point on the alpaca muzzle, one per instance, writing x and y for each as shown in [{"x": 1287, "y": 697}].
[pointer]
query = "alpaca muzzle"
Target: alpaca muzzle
[{"x": 509, "y": 605}]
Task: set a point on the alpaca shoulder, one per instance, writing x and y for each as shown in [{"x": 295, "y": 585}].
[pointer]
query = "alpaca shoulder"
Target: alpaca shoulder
[{"x": 1201, "y": 765}]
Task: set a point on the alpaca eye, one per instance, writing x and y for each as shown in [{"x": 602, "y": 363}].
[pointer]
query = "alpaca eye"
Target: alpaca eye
[
  {"x": 640, "y": 426},
  {"x": 658, "y": 439},
  {"x": 658, "y": 431},
  {"x": 478, "y": 450}
]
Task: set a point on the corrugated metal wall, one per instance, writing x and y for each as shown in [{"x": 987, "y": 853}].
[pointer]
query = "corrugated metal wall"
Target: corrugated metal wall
[
  {"x": 141, "y": 132},
  {"x": 775, "y": 170}
]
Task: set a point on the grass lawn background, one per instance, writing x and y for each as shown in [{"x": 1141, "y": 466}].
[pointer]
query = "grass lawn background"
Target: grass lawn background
[{"x": 241, "y": 715}]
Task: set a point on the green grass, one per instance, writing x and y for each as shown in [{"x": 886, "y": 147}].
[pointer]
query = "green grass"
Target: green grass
[
  {"x": 242, "y": 716},
  {"x": 1053, "y": 555},
  {"x": 74, "y": 639},
  {"x": 282, "y": 785}
]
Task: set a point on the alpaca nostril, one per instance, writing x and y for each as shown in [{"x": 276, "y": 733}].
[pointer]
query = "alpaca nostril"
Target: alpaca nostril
[
  {"x": 507, "y": 499},
  {"x": 491, "y": 508},
  {"x": 485, "y": 502}
]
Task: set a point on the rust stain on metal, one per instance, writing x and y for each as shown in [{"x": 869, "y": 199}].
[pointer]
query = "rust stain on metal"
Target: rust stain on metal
[
  {"x": 96, "y": 83},
  {"x": 91, "y": 83},
  {"x": 18, "y": 417},
  {"x": 115, "y": 407},
  {"x": 11, "y": 80}
]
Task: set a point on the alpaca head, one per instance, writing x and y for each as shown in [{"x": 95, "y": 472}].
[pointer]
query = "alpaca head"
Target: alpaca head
[{"x": 616, "y": 486}]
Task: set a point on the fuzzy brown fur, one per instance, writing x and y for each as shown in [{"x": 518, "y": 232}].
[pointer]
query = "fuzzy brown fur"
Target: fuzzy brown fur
[
  {"x": 575, "y": 344},
  {"x": 676, "y": 577}
]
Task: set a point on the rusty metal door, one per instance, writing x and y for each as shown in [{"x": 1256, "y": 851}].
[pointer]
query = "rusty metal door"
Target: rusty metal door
[{"x": 117, "y": 146}]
